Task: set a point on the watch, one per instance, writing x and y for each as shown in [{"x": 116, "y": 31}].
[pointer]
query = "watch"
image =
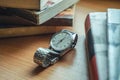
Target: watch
[{"x": 60, "y": 43}]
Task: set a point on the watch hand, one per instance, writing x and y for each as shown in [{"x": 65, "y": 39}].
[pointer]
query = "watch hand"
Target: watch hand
[{"x": 61, "y": 40}]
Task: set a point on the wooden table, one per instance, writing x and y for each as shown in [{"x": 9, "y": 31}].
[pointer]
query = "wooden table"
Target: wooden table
[
  {"x": 16, "y": 60},
  {"x": 16, "y": 54}
]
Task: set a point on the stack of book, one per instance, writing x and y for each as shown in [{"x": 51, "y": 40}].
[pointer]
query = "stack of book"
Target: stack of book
[
  {"x": 28, "y": 17},
  {"x": 103, "y": 44}
]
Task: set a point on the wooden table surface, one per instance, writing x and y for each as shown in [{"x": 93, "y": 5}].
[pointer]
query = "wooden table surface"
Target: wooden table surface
[
  {"x": 16, "y": 54},
  {"x": 16, "y": 60}
]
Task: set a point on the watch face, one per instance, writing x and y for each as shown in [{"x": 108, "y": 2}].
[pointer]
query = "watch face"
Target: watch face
[{"x": 61, "y": 41}]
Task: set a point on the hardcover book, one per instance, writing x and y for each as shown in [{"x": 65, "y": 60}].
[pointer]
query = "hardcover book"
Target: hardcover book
[
  {"x": 96, "y": 43},
  {"x": 39, "y": 17},
  {"x": 65, "y": 18},
  {"x": 103, "y": 44}
]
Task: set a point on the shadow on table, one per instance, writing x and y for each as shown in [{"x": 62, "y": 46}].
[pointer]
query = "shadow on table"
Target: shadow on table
[
  {"x": 37, "y": 70},
  {"x": 68, "y": 58}
]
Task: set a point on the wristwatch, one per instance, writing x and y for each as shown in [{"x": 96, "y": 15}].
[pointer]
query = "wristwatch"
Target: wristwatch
[{"x": 60, "y": 43}]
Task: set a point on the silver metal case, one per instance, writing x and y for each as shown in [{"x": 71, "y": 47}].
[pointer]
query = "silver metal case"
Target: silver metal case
[{"x": 73, "y": 40}]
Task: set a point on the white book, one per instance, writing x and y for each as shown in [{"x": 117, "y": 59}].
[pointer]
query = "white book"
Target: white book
[
  {"x": 114, "y": 43},
  {"x": 99, "y": 33}
]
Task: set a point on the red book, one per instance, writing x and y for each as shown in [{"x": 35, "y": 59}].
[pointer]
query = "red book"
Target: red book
[{"x": 93, "y": 74}]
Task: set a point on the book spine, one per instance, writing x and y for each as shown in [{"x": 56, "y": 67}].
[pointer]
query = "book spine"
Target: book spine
[
  {"x": 114, "y": 43},
  {"x": 90, "y": 51}
]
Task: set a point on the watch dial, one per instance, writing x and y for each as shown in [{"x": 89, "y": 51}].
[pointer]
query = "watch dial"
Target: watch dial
[{"x": 61, "y": 41}]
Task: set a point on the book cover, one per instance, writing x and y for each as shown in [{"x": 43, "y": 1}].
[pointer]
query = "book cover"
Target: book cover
[
  {"x": 92, "y": 66},
  {"x": 96, "y": 28}
]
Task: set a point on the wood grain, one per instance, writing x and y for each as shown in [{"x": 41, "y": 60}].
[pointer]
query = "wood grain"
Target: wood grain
[
  {"x": 16, "y": 54},
  {"x": 16, "y": 60}
]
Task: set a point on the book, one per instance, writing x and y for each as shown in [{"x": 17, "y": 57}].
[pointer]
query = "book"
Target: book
[
  {"x": 27, "y": 4},
  {"x": 114, "y": 43},
  {"x": 31, "y": 30},
  {"x": 65, "y": 18},
  {"x": 14, "y": 20},
  {"x": 97, "y": 45},
  {"x": 39, "y": 17}
]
